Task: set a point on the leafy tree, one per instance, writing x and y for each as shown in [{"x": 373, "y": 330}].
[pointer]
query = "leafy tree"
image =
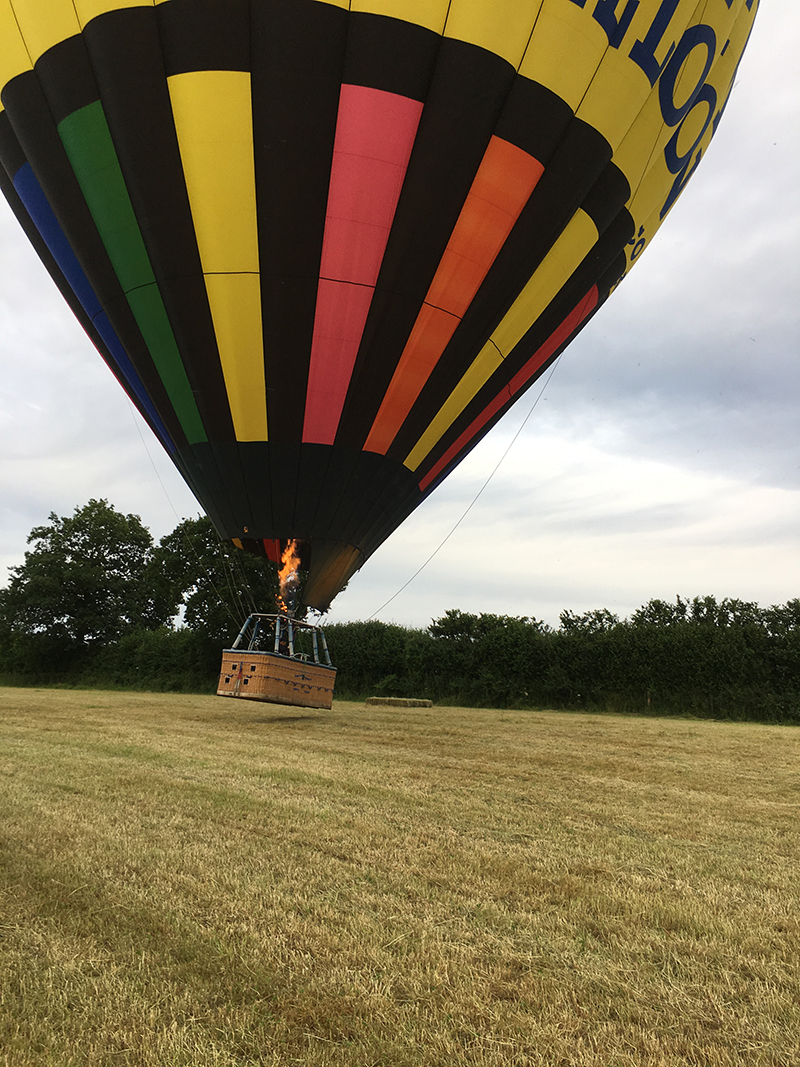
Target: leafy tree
[
  {"x": 456, "y": 625},
  {"x": 600, "y": 620},
  {"x": 462, "y": 626},
  {"x": 661, "y": 613},
  {"x": 86, "y": 581},
  {"x": 706, "y": 610},
  {"x": 216, "y": 584},
  {"x": 783, "y": 620}
]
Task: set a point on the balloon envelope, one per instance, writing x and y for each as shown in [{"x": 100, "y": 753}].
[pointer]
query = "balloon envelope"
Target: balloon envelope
[{"x": 325, "y": 245}]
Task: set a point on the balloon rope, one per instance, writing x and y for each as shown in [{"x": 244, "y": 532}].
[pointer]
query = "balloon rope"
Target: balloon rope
[
  {"x": 234, "y": 561},
  {"x": 474, "y": 501},
  {"x": 133, "y": 412},
  {"x": 227, "y": 565}
]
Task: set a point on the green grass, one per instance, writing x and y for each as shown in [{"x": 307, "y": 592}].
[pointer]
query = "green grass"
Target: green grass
[{"x": 193, "y": 881}]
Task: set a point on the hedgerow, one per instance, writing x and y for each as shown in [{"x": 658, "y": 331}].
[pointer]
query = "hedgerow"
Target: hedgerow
[{"x": 698, "y": 657}]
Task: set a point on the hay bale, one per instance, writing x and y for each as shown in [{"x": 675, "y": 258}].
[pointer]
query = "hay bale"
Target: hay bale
[{"x": 400, "y": 702}]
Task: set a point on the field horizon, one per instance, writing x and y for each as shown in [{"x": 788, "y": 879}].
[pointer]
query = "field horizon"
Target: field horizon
[{"x": 193, "y": 881}]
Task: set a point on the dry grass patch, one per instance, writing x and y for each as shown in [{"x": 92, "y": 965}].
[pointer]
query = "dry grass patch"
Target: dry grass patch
[{"x": 191, "y": 881}]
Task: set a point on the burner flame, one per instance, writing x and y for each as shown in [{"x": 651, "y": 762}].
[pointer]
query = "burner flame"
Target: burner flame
[{"x": 289, "y": 578}]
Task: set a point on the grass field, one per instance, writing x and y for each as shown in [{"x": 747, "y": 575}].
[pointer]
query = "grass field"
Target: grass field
[{"x": 196, "y": 881}]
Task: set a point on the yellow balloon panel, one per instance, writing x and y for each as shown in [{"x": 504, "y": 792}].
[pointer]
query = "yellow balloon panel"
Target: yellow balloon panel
[
  {"x": 235, "y": 302},
  {"x": 43, "y": 23},
  {"x": 214, "y": 124},
  {"x": 431, "y": 14},
  {"x": 564, "y": 52},
  {"x": 14, "y": 56},
  {"x": 503, "y": 27}
]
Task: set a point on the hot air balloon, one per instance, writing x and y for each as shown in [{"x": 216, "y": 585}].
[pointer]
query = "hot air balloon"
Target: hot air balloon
[{"x": 325, "y": 244}]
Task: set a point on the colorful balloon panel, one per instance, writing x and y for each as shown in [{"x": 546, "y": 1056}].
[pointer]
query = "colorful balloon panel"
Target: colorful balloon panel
[{"x": 325, "y": 245}]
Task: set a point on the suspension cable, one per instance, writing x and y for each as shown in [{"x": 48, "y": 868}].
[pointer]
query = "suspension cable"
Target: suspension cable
[{"x": 474, "y": 501}]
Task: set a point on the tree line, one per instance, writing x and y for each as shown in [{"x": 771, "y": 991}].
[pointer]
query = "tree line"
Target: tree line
[{"x": 97, "y": 602}]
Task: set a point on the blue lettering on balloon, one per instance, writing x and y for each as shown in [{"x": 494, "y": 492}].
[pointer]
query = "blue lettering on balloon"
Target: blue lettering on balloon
[
  {"x": 694, "y": 37},
  {"x": 615, "y": 18},
  {"x": 605, "y": 13},
  {"x": 676, "y": 163},
  {"x": 638, "y": 242},
  {"x": 679, "y": 183},
  {"x": 681, "y": 165},
  {"x": 643, "y": 52}
]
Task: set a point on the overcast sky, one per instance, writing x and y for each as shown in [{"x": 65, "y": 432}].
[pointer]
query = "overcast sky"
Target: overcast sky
[{"x": 662, "y": 457}]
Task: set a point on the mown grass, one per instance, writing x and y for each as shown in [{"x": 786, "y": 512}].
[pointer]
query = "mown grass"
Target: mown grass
[{"x": 194, "y": 881}]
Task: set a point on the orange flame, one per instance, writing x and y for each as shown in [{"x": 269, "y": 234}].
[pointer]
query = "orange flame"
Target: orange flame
[{"x": 288, "y": 576}]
